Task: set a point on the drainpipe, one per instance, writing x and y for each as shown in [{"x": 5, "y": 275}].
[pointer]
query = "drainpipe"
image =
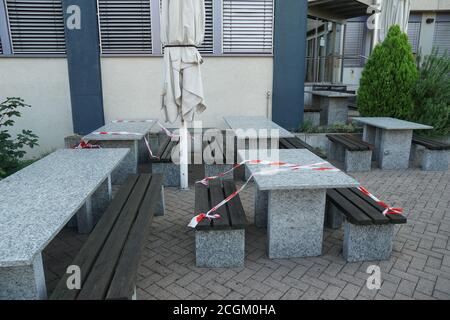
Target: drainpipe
[{"x": 375, "y": 34}]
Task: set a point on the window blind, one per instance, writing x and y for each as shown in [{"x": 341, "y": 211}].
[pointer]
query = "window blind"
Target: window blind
[
  {"x": 354, "y": 44},
  {"x": 208, "y": 45},
  {"x": 441, "y": 39},
  {"x": 248, "y": 26},
  {"x": 414, "y": 35},
  {"x": 125, "y": 26},
  {"x": 36, "y": 26}
]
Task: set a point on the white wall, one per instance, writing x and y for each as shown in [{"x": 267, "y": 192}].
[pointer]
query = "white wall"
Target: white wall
[
  {"x": 43, "y": 84},
  {"x": 351, "y": 76},
  {"x": 233, "y": 86},
  {"x": 429, "y": 5}
]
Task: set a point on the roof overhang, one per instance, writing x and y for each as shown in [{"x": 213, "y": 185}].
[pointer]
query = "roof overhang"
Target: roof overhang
[{"x": 338, "y": 10}]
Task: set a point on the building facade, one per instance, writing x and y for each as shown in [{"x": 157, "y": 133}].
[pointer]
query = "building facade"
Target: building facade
[{"x": 79, "y": 69}]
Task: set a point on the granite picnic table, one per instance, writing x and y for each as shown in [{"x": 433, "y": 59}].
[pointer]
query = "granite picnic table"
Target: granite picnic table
[
  {"x": 132, "y": 136},
  {"x": 291, "y": 204},
  {"x": 38, "y": 201},
  {"x": 257, "y": 131},
  {"x": 392, "y": 139},
  {"x": 333, "y": 105}
]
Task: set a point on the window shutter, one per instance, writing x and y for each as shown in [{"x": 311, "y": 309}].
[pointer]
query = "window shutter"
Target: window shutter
[
  {"x": 414, "y": 35},
  {"x": 354, "y": 44},
  {"x": 36, "y": 26},
  {"x": 208, "y": 45},
  {"x": 441, "y": 38},
  {"x": 248, "y": 26},
  {"x": 125, "y": 26}
]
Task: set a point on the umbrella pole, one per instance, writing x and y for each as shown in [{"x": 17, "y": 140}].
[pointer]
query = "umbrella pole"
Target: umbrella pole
[{"x": 184, "y": 155}]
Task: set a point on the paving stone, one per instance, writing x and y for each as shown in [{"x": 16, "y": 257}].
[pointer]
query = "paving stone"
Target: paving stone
[
  {"x": 350, "y": 291},
  {"x": 443, "y": 285},
  {"x": 419, "y": 267}
]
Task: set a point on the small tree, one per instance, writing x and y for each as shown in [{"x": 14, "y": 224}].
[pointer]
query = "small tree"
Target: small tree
[
  {"x": 431, "y": 93},
  {"x": 388, "y": 78},
  {"x": 11, "y": 149}
]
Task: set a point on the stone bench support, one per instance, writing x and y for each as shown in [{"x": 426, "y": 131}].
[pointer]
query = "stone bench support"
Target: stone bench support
[
  {"x": 220, "y": 248},
  {"x": 430, "y": 160},
  {"x": 367, "y": 243},
  {"x": 354, "y": 161}
]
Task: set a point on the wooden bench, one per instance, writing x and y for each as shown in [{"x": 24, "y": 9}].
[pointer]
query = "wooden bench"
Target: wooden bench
[
  {"x": 219, "y": 243},
  {"x": 350, "y": 149},
  {"x": 368, "y": 233},
  {"x": 171, "y": 171},
  {"x": 296, "y": 143},
  {"x": 215, "y": 159},
  {"x": 429, "y": 154},
  {"x": 110, "y": 258}
]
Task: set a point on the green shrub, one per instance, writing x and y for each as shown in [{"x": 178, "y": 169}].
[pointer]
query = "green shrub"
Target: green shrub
[
  {"x": 431, "y": 94},
  {"x": 12, "y": 149},
  {"x": 388, "y": 78},
  {"x": 307, "y": 127}
]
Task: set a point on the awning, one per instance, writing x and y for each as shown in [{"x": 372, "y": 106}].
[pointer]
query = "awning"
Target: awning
[{"x": 338, "y": 10}]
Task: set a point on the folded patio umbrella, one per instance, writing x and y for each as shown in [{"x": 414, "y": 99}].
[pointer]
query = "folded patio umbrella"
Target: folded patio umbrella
[
  {"x": 394, "y": 12},
  {"x": 182, "y": 31}
]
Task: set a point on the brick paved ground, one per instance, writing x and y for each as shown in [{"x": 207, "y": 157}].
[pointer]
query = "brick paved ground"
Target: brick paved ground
[{"x": 419, "y": 267}]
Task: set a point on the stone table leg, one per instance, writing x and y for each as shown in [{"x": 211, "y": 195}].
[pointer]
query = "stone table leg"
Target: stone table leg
[
  {"x": 261, "y": 203},
  {"x": 129, "y": 164},
  {"x": 337, "y": 111},
  {"x": 101, "y": 199},
  {"x": 161, "y": 209},
  {"x": 23, "y": 282},
  {"x": 295, "y": 223},
  {"x": 372, "y": 135},
  {"x": 395, "y": 149},
  {"x": 85, "y": 218}
]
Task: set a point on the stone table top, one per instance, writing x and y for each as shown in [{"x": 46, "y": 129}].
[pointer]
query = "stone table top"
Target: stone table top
[
  {"x": 299, "y": 179},
  {"x": 38, "y": 201},
  {"x": 138, "y": 130},
  {"x": 240, "y": 124},
  {"x": 391, "y": 123},
  {"x": 332, "y": 94}
]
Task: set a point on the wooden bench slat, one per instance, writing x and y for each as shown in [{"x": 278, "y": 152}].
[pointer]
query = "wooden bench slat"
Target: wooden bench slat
[
  {"x": 359, "y": 141},
  {"x": 217, "y": 195},
  {"x": 376, "y": 216},
  {"x": 300, "y": 144},
  {"x": 86, "y": 257},
  {"x": 163, "y": 146},
  {"x": 237, "y": 213},
  {"x": 97, "y": 283},
  {"x": 125, "y": 277},
  {"x": 349, "y": 144},
  {"x": 202, "y": 205},
  {"x": 213, "y": 146},
  {"x": 353, "y": 213},
  {"x": 286, "y": 144},
  {"x": 431, "y": 144},
  {"x": 167, "y": 155},
  {"x": 394, "y": 218}
]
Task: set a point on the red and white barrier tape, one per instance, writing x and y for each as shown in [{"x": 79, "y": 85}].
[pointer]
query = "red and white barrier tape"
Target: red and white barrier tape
[
  {"x": 121, "y": 133},
  {"x": 132, "y": 121},
  {"x": 274, "y": 167},
  {"x": 86, "y": 145},
  {"x": 389, "y": 210}
]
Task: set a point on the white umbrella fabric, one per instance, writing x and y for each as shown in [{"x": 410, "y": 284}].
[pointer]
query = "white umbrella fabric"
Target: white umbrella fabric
[
  {"x": 393, "y": 12},
  {"x": 182, "y": 31}
]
